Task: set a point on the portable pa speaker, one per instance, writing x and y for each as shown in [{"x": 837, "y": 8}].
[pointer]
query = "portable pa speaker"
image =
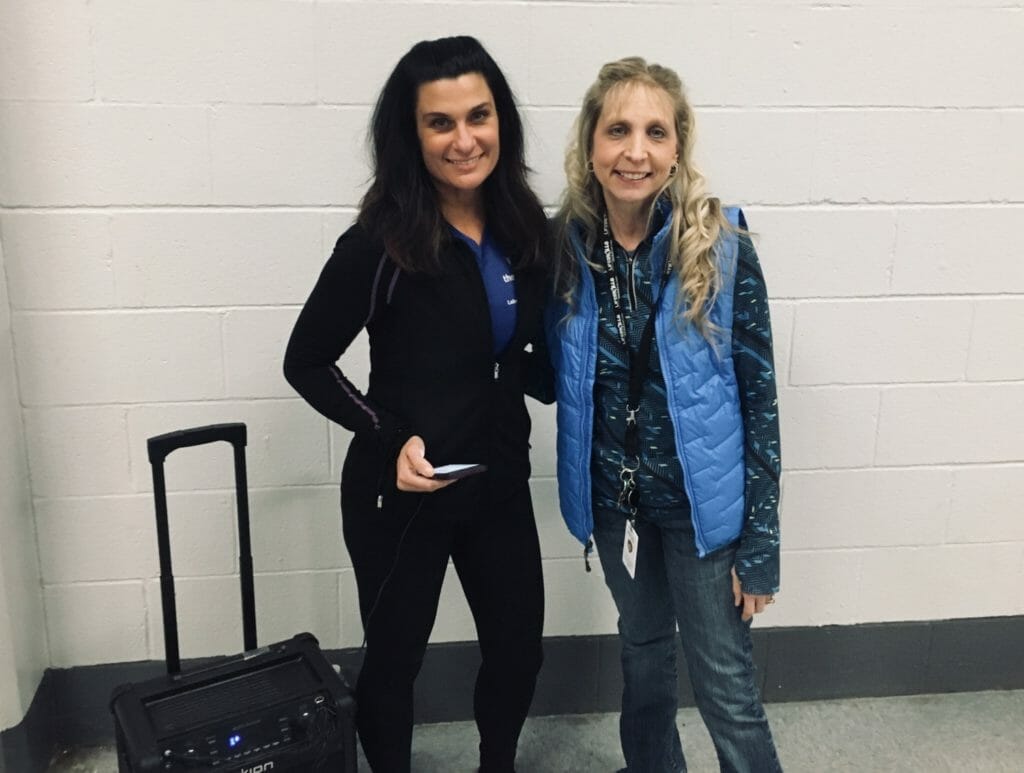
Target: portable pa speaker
[{"x": 276, "y": 709}]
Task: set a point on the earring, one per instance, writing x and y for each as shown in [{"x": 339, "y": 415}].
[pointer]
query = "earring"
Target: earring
[
  {"x": 590, "y": 167},
  {"x": 673, "y": 169}
]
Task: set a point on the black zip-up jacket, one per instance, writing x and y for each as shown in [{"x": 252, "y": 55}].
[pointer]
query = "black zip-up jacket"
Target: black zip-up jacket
[{"x": 433, "y": 371}]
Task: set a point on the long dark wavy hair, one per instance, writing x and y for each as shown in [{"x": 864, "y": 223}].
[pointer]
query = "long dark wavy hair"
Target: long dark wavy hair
[{"x": 401, "y": 208}]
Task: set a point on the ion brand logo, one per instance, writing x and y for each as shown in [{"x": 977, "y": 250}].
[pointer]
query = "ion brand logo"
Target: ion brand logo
[{"x": 259, "y": 768}]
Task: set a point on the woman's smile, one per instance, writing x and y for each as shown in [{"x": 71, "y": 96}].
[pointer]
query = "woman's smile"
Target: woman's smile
[
  {"x": 632, "y": 176},
  {"x": 465, "y": 162}
]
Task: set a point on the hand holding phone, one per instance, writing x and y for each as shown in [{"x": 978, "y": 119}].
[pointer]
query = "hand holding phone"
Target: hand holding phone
[{"x": 457, "y": 471}]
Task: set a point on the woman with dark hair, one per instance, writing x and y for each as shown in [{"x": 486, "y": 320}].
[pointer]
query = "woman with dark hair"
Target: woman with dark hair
[
  {"x": 444, "y": 270},
  {"x": 668, "y": 426}
]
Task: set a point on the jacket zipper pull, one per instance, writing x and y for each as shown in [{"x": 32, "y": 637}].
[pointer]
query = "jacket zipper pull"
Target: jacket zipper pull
[
  {"x": 497, "y": 370},
  {"x": 380, "y": 501}
]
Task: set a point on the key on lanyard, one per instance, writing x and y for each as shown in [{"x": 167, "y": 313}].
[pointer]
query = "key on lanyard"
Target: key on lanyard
[{"x": 627, "y": 496}]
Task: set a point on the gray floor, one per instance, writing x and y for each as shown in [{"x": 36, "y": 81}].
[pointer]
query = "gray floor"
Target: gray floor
[{"x": 957, "y": 732}]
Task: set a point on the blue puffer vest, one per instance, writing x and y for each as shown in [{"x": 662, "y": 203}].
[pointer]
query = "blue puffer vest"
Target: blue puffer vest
[{"x": 700, "y": 383}]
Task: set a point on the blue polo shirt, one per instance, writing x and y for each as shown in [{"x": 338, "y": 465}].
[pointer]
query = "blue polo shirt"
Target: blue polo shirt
[{"x": 500, "y": 284}]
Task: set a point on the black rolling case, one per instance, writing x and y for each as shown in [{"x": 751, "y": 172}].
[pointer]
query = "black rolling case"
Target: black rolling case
[{"x": 279, "y": 708}]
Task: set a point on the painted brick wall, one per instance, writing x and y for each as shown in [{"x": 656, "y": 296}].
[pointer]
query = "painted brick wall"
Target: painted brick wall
[
  {"x": 173, "y": 175},
  {"x": 23, "y": 651}
]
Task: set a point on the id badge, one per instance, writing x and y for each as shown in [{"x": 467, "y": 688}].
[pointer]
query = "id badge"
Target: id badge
[{"x": 629, "y": 548}]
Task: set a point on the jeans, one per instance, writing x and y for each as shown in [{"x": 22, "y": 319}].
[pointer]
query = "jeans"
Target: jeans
[{"x": 674, "y": 587}]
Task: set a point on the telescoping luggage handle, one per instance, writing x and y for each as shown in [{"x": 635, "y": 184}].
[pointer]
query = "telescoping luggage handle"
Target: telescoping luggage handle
[{"x": 160, "y": 446}]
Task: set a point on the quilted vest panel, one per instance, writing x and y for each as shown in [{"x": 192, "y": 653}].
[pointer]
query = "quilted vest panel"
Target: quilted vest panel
[{"x": 702, "y": 395}]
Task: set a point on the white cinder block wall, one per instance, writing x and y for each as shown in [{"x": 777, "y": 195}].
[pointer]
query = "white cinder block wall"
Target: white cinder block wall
[
  {"x": 23, "y": 655},
  {"x": 173, "y": 175}
]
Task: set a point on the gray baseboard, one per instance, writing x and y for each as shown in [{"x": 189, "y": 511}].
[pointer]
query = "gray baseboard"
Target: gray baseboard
[
  {"x": 581, "y": 674},
  {"x": 29, "y": 745}
]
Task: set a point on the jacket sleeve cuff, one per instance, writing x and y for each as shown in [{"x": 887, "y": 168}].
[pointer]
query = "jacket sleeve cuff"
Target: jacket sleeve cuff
[
  {"x": 392, "y": 435},
  {"x": 758, "y": 571}
]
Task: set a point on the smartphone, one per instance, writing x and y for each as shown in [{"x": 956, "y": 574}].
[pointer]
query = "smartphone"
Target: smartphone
[{"x": 456, "y": 471}]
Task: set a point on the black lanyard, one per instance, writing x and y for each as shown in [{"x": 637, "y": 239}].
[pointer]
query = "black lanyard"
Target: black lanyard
[{"x": 639, "y": 365}]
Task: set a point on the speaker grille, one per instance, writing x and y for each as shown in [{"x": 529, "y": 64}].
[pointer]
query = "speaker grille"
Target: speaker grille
[{"x": 218, "y": 699}]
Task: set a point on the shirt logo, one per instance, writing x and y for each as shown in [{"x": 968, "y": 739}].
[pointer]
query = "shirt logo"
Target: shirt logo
[{"x": 506, "y": 278}]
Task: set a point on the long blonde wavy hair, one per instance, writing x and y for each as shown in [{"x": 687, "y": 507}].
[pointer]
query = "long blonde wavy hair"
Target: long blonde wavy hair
[{"x": 697, "y": 219}]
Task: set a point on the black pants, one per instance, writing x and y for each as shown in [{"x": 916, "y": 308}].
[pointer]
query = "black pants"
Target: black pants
[{"x": 496, "y": 553}]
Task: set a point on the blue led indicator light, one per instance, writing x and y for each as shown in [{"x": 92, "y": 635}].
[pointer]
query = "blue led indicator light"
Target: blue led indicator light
[{"x": 234, "y": 740}]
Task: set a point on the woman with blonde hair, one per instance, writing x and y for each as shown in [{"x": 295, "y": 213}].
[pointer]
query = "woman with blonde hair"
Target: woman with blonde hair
[{"x": 668, "y": 439}]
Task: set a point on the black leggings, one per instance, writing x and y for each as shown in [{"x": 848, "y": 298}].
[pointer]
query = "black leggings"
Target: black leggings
[{"x": 496, "y": 554}]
